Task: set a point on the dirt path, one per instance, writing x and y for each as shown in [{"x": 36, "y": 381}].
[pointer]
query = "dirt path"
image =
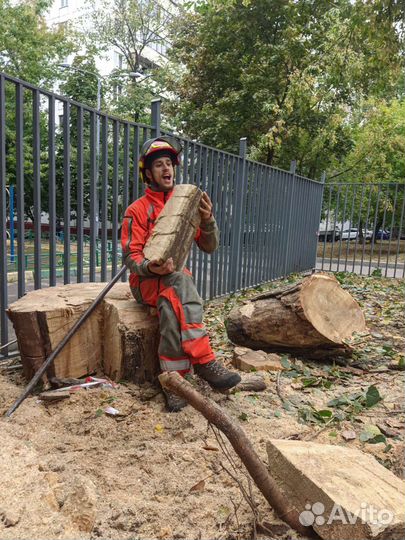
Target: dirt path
[{"x": 70, "y": 471}]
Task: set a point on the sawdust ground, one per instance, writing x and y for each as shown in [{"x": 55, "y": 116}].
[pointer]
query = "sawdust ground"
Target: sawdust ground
[{"x": 69, "y": 471}]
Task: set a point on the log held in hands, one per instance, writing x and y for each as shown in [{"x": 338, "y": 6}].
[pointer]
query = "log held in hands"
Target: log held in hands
[
  {"x": 242, "y": 446},
  {"x": 175, "y": 227}
]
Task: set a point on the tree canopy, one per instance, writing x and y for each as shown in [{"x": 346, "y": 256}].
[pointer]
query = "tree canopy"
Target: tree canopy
[
  {"x": 288, "y": 75},
  {"x": 378, "y": 144},
  {"x": 28, "y": 48}
]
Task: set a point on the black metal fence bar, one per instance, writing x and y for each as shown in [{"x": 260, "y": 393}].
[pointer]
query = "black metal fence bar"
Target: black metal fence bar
[
  {"x": 76, "y": 170},
  {"x": 80, "y": 196},
  {"x": 104, "y": 198},
  {"x": 93, "y": 197},
  {"x": 3, "y": 220},
  {"x": 115, "y": 198},
  {"x": 383, "y": 226},
  {"x": 66, "y": 191},
  {"x": 391, "y": 227},
  {"x": 350, "y": 226},
  {"x": 260, "y": 225},
  {"x": 36, "y": 150},
  {"x": 52, "y": 190},
  {"x": 398, "y": 241},
  {"x": 20, "y": 186}
]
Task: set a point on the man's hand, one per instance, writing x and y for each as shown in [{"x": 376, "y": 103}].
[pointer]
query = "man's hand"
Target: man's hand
[
  {"x": 163, "y": 268},
  {"x": 205, "y": 208}
]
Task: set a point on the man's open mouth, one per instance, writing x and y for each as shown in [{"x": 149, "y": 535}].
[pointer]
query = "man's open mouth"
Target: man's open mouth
[{"x": 167, "y": 177}]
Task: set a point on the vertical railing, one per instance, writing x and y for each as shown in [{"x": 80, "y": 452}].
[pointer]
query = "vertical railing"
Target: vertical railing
[
  {"x": 362, "y": 230},
  {"x": 75, "y": 170},
  {"x": 3, "y": 221}
]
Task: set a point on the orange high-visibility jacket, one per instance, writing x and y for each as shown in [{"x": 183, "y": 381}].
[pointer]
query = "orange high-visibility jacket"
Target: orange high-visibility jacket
[{"x": 138, "y": 223}]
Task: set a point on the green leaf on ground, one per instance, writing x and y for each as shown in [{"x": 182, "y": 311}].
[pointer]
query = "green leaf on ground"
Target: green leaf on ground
[
  {"x": 372, "y": 396},
  {"x": 285, "y": 362}
]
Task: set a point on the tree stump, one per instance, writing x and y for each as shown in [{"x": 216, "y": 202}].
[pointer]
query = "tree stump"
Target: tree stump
[
  {"x": 314, "y": 314},
  {"x": 120, "y": 338}
]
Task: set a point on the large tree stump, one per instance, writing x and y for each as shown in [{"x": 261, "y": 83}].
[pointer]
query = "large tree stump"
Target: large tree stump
[
  {"x": 315, "y": 313},
  {"x": 120, "y": 338},
  {"x": 175, "y": 227}
]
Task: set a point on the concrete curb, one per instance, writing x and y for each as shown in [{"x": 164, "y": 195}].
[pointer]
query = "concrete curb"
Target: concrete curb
[{"x": 12, "y": 277}]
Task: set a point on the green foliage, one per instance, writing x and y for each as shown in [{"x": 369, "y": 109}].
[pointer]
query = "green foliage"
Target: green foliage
[
  {"x": 345, "y": 407},
  {"x": 378, "y": 144},
  {"x": 29, "y": 49},
  {"x": 284, "y": 74},
  {"x": 129, "y": 26},
  {"x": 353, "y": 404},
  {"x": 310, "y": 415},
  {"x": 372, "y": 435}
]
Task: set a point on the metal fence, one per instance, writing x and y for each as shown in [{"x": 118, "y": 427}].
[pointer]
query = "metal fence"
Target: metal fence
[
  {"x": 362, "y": 229},
  {"x": 72, "y": 170}
]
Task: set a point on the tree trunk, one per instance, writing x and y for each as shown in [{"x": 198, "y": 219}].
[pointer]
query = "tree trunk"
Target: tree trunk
[
  {"x": 314, "y": 314},
  {"x": 119, "y": 339}
]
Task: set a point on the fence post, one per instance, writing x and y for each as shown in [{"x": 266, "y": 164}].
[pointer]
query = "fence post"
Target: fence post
[
  {"x": 239, "y": 204},
  {"x": 293, "y": 168},
  {"x": 155, "y": 110},
  {"x": 320, "y": 201},
  {"x": 3, "y": 221}
]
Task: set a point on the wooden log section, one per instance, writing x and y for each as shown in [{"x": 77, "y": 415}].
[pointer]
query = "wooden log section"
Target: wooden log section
[
  {"x": 175, "y": 227},
  {"x": 313, "y": 314},
  {"x": 119, "y": 339}
]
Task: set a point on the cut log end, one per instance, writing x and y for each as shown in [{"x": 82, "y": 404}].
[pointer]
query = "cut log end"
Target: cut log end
[
  {"x": 331, "y": 310},
  {"x": 314, "y": 314}
]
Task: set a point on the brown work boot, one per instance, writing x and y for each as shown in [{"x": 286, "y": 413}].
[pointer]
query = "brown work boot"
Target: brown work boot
[
  {"x": 174, "y": 403},
  {"x": 216, "y": 375}
]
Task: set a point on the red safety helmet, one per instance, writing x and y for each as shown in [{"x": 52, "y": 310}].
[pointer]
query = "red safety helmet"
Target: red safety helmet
[{"x": 162, "y": 145}]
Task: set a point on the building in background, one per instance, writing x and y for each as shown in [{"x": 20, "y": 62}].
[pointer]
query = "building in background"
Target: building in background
[{"x": 77, "y": 14}]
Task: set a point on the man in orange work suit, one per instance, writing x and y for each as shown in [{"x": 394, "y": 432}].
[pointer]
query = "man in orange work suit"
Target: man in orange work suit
[{"x": 183, "y": 338}]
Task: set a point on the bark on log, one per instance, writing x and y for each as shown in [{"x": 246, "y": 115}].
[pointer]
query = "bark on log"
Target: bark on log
[
  {"x": 175, "y": 227},
  {"x": 313, "y": 314},
  {"x": 120, "y": 338},
  {"x": 242, "y": 446}
]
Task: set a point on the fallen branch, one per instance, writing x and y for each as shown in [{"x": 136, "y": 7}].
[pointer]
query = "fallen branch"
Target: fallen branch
[{"x": 242, "y": 446}]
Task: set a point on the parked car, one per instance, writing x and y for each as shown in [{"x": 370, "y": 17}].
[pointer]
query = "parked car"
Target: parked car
[
  {"x": 350, "y": 234},
  {"x": 383, "y": 235},
  {"x": 328, "y": 235},
  {"x": 354, "y": 233},
  {"x": 368, "y": 234}
]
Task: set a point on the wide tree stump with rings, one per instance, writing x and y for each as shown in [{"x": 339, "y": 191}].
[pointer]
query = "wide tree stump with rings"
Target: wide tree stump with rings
[{"x": 120, "y": 339}]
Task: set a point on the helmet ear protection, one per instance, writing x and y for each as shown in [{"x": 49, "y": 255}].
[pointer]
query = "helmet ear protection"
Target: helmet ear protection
[{"x": 166, "y": 145}]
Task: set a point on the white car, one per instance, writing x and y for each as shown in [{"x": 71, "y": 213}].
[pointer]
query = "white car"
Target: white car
[
  {"x": 353, "y": 234},
  {"x": 350, "y": 234}
]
